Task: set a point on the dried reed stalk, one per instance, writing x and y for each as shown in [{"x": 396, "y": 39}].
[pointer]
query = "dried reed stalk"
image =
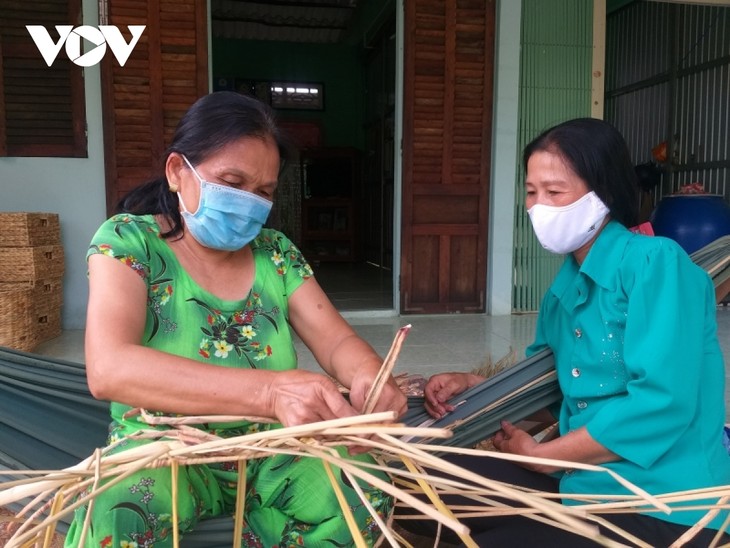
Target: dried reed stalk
[
  {"x": 405, "y": 464},
  {"x": 385, "y": 370}
]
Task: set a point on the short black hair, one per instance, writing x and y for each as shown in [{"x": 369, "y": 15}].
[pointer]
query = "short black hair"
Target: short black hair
[{"x": 596, "y": 152}]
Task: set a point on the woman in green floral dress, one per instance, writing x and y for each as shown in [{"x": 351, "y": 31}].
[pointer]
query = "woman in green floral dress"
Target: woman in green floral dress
[{"x": 191, "y": 307}]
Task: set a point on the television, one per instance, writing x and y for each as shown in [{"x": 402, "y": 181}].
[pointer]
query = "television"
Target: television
[{"x": 327, "y": 177}]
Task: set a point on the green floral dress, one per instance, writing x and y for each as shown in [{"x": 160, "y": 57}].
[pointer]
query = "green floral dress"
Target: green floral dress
[{"x": 285, "y": 502}]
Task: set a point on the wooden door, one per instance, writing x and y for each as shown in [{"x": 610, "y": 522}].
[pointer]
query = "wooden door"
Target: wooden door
[
  {"x": 449, "y": 65},
  {"x": 143, "y": 100}
]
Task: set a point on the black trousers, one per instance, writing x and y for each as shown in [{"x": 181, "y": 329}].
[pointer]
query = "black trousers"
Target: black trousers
[{"x": 512, "y": 531}]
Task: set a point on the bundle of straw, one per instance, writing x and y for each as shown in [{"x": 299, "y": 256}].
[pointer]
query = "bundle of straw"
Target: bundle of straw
[{"x": 54, "y": 495}]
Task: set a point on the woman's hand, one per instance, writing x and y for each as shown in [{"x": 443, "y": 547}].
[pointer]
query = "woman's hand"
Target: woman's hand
[
  {"x": 302, "y": 397},
  {"x": 441, "y": 388},
  {"x": 576, "y": 446},
  {"x": 511, "y": 439},
  {"x": 338, "y": 349},
  {"x": 391, "y": 398}
]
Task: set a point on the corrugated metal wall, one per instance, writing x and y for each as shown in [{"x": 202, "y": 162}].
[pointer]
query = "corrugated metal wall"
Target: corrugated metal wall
[
  {"x": 668, "y": 80},
  {"x": 555, "y": 85}
]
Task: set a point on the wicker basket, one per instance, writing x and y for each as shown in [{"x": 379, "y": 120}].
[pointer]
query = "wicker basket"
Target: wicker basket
[
  {"x": 46, "y": 301},
  {"x": 28, "y": 264},
  {"x": 44, "y": 306},
  {"x": 44, "y": 293},
  {"x": 21, "y": 229},
  {"x": 15, "y": 320},
  {"x": 46, "y": 325}
]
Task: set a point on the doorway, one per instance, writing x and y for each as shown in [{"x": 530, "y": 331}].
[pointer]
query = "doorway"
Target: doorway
[{"x": 335, "y": 199}]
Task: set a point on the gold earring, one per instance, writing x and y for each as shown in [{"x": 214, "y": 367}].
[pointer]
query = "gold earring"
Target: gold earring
[{"x": 173, "y": 187}]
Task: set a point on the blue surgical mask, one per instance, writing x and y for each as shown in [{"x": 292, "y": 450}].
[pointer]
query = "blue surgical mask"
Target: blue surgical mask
[{"x": 227, "y": 218}]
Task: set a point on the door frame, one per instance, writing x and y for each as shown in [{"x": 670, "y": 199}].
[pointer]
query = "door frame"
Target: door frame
[{"x": 398, "y": 152}]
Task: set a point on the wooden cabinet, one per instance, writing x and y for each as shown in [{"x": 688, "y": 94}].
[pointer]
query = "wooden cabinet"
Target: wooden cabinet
[
  {"x": 329, "y": 229},
  {"x": 331, "y": 186}
]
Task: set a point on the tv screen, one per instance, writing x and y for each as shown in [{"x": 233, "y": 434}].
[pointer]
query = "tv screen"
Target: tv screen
[{"x": 328, "y": 177}]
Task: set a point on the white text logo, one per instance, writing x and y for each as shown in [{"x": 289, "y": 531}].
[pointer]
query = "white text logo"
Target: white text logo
[{"x": 100, "y": 37}]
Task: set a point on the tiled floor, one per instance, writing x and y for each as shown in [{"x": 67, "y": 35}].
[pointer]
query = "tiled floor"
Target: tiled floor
[
  {"x": 356, "y": 286},
  {"x": 457, "y": 342}
]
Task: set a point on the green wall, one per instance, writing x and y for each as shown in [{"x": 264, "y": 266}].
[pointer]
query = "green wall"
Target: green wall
[
  {"x": 337, "y": 66},
  {"x": 556, "y": 57}
]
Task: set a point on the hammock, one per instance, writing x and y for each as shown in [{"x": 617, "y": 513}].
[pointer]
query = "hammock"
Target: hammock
[
  {"x": 715, "y": 259},
  {"x": 512, "y": 394},
  {"x": 49, "y": 420}
]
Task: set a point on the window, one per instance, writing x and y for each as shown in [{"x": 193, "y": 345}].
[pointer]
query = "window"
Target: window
[
  {"x": 284, "y": 95},
  {"x": 297, "y": 95},
  {"x": 42, "y": 109}
]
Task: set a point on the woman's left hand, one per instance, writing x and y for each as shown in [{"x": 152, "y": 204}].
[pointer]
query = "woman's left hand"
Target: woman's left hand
[
  {"x": 576, "y": 446},
  {"x": 511, "y": 439},
  {"x": 391, "y": 398}
]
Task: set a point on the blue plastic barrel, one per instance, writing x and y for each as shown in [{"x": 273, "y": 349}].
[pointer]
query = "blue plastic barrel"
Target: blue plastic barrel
[{"x": 692, "y": 220}]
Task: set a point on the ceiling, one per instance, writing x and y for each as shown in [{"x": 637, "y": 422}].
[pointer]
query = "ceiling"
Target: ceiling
[{"x": 320, "y": 21}]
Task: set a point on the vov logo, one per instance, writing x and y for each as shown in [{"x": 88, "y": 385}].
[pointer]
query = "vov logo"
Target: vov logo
[{"x": 72, "y": 37}]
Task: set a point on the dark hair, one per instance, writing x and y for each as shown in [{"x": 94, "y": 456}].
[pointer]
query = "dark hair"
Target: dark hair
[
  {"x": 212, "y": 122},
  {"x": 597, "y": 153}
]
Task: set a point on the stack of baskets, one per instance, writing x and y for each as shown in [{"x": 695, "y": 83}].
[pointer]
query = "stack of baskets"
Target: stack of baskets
[{"x": 31, "y": 279}]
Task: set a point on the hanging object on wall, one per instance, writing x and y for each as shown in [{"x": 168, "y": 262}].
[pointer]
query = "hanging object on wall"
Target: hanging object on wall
[
  {"x": 659, "y": 152},
  {"x": 649, "y": 175}
]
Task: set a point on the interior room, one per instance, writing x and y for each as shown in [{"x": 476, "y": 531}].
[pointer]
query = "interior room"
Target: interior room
[{"x": 328, "y": 68}]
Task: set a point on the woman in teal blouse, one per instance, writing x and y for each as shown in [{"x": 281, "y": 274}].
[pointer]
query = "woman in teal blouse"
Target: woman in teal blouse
[{"x": 631, "y": 322}]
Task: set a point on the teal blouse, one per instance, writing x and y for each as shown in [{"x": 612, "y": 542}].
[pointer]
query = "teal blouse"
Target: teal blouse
[
  {"x": 633, "y": 331},
  {"x": 186, "y": 320}
]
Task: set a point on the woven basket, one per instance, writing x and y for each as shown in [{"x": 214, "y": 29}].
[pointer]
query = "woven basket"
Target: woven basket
[
  {"x": 15, "y": 320},
  {"x": 44, "y": 293},
  {"x": 21, "y": 229},
  {"x": 46, "y": 325},
  {"x": 44, "y": 312},
  {"x": 46, "y": 301},
  {"x": 28, "y": 264}
]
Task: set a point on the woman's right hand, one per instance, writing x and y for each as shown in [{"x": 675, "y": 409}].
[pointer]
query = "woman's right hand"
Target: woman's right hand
[
  {"x": 302, "y": 397},
  {"x": 442, "y": 387}
]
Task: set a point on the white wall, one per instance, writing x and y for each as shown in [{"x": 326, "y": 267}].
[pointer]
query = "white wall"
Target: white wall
[{"x": 72, "y": 187}]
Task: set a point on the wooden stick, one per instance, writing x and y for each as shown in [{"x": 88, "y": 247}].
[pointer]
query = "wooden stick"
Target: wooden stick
[
  {"x": 692, "y": 531},
  {"x": 346, "y": 511},
  {"x": 240, "y": 501},
  {"x": 150, "y": 419},
  {"x": 437, "y": 502},
  {"x": 174, "y": 473},
  {"x": 385, "y": 370}
]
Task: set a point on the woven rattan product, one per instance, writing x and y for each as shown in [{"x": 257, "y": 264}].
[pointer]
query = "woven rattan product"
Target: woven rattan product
[
  {"x": 15, "y": 320},
  {"x": 27, "y": 264},
  {"x": 43, "y": 315},
  {"x": 23, "y": 229}
]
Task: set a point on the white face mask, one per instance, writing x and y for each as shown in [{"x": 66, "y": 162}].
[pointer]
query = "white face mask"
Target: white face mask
[{"x": 567, "y": 228}]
